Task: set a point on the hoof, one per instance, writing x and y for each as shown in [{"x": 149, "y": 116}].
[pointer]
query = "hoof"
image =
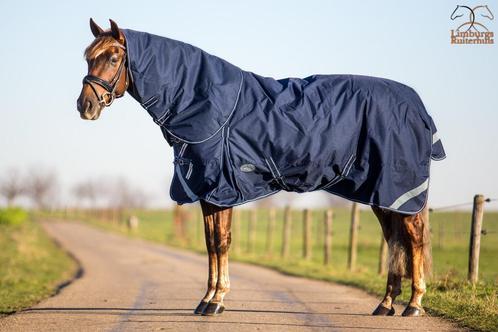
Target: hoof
[
  {"x": 213, "y": 309},
  {"x": 383, "y": 311},
  {"x": 412, "y": 311},
  {"x": 201, "y": 307}
]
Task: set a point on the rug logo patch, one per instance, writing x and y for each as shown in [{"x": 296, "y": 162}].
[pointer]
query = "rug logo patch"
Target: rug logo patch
[
  {"x": 472, "y": 25},
  {"x": 246, "y": 168}
]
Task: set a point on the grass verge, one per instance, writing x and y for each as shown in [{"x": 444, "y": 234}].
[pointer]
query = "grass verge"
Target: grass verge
[{"x": 32, "y": 266}]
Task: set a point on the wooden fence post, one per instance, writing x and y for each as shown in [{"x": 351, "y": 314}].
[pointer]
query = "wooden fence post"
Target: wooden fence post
[
  {"x": 327, "y": 243},
  {"x": 115, "y": 216},
  {"x": 179, "y": 223},
  {"x": 353, "y": 236},
  {"x": 475, "y": 238},
  {"x": 236, "y": 231},
  {"x": 132, "y": 222},
  {"x": 307, "y": 234},
  {"x": 272, "y": 215},
  {"x": 251, "y": 230},
  {"x": 286, "y": 232},
  {"x": 382, "y": 256}
]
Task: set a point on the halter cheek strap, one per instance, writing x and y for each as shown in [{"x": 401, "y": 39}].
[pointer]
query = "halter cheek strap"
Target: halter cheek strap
[{"x": 106, "y": 98}]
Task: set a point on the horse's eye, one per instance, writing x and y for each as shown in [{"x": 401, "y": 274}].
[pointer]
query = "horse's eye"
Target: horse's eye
[{"x": 114, "y": 60}]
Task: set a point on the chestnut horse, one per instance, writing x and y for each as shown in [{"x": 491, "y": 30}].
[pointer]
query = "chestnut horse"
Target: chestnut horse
[{"x": 407, "y": 235}]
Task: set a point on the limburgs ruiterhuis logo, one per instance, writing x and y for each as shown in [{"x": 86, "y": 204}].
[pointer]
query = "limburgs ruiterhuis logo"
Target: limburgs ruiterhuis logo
[{"x": 472, "y": 27}]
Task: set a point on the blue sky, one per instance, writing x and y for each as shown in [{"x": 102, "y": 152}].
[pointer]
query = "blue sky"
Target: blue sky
[{"x": 42, "y": 66}]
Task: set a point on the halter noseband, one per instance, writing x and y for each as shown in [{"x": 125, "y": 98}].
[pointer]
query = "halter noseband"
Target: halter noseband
[{"x": 109, "y": 87}]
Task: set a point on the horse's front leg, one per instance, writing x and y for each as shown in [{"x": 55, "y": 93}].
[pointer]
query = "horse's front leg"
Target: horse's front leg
[
  {"x": 212, "y": 258},
  {"x": 217, "y": 222}
]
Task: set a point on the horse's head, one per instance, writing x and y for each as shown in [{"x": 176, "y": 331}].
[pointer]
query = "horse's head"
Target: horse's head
[
  {"x": 485, "y": 12},
  {"x": 107, "y": 77},
  {"x": 459, "y": 12}
]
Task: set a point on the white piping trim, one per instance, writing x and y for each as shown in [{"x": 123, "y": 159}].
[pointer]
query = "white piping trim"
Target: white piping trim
[
  {"x": 222, "y": 126},
  {"x": 279, "y": 175},
  {"x": 210, "y": 194},
  {"x": 246, "y": 201},
  {"x": 334, "y": 180},
  {"x": 189, "y": 172},
  {"x": 410, "y": 194},
  {"x": 227, "y": 143},
  {"x": 438, "y": 158},
  {"x": 270, "y": 168},
  {"x": 275, "y": 177},
  {"x": 276, "y": 168},
  {"x": 347, "y": 167},
  {"x": 351, "y": 163},
  {"x": 182, "y": 150},
  {"x": 162, "y": 119}
]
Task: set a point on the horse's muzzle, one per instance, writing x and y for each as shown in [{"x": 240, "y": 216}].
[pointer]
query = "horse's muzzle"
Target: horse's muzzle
[{"x": 86, "y": 109}]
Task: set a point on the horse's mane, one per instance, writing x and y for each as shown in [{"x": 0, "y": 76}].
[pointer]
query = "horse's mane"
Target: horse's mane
[{"x": 99, "y": 45}]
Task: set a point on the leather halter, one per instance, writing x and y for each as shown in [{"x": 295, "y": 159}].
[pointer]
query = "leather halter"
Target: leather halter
[{"x": 109, "y": 87}]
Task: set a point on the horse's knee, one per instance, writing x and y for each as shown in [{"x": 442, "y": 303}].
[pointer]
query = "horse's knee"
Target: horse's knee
[
  {"x": 223, "y": 247},
  {"x": 223, "y": 243}
]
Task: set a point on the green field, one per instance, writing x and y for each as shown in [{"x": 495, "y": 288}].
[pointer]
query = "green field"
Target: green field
[
  {"x": 31, "y": 266},
  {"x": 449, "y": 295}
]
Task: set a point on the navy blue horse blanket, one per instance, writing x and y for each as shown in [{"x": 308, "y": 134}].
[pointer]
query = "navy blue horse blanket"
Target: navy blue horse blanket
[{"x": 238, "y": 136}]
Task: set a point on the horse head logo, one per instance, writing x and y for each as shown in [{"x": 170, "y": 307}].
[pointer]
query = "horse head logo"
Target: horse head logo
[{"x": 474, "y": 14}]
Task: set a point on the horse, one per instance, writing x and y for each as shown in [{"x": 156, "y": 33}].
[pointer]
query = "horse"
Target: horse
[{"x": 201, "y": 118}]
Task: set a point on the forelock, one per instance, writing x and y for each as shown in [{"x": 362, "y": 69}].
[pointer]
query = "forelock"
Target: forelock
[{"x": 99, "y": 45}]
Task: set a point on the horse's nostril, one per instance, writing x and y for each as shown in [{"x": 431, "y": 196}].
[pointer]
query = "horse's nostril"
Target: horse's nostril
[
  {"x": 88, "y": 106},
  {"x": 84, "y": 106}
]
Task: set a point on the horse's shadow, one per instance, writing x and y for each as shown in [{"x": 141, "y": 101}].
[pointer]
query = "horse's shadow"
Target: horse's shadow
[
  {"x": 142, "y": 315},
  {"x": 167, "y": 311}
]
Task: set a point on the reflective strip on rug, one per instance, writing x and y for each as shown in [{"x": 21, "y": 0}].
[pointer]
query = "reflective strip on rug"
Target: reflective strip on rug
[
  {"x": 409, "y": 195},
  {"x": 435, "y": 138}
]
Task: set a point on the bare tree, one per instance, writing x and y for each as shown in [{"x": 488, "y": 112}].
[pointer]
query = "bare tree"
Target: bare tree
[
  {"x": 88, "y": 190},
  {"x": 122, "y": 195},
  {"x": 11, "y": 186},
  {"x": 41, "y": 187}
]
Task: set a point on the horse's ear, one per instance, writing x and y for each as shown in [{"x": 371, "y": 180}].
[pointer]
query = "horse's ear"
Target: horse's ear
[
  {"x": 115, "y": 32},
  {"x": 96, "y": 30}
]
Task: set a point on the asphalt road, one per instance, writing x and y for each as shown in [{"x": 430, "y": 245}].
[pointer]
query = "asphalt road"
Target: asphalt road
[{"x": 132, "y": 285}]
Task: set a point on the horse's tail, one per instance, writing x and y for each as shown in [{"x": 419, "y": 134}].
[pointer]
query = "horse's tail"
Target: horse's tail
[{"x": 400, "y": 259}]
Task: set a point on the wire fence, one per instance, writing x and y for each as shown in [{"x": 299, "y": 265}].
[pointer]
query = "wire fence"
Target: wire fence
[
  {"x": 343, "y": 238},
  {"x": 353, "y": 238}
]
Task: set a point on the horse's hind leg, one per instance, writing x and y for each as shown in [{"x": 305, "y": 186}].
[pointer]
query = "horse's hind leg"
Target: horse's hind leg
[
  {"x": 417, "y": 229},
  {"x": 393, "y": 287},
  {"x": 218, "y": 222}
]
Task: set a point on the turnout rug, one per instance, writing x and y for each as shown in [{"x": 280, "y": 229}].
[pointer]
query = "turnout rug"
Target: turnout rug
[{"x": 238, "y": 136}]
